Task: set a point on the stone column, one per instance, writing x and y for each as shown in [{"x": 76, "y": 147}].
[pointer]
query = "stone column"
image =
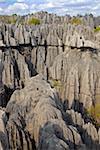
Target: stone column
[
  {"x": 2, "y": 90},
  {"x": 1, "y": 69}
]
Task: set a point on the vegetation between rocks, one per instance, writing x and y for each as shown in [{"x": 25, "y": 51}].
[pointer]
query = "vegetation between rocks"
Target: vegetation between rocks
[
  {"x": 76, "y": 21},
  {"x": 33, "y": 21},
  {"x": 94, "y": 112},
  {"x": 97, "y": 29},
  {"x": 56, "y": 83}
]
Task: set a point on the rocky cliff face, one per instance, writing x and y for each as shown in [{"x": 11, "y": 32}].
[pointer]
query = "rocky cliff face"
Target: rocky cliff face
[
  {"x": 26, "y": 51},
  {"x": 78, "y": 72},
  {"x": 49, "y": 79},
  {"x": 36, "y": 114}
]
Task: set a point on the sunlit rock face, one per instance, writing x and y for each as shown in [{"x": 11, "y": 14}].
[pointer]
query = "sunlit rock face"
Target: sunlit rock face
[{"x": 78, "y": 70}]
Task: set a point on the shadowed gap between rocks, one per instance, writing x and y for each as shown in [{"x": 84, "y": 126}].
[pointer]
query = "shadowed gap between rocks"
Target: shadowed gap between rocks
[
  {"x": 24, "y": 135},
  {"x": 58, "y": 132},
  {"x": 32, "y": 70},
  {"x": 77, "y": 106},
  {"x": 8, "y": 94},
  {"x": 83, "y": 49},
  {"x": 82, "y": 132},
  {"x": 20, "y": 46}
]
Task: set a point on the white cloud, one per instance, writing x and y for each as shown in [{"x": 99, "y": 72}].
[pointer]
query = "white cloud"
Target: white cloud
[
  {"x": 33, "y": 6},
  {"x": 20, "y": 1},
  {"x": 1, "y": 9},
  {"x": 96, "y": 7},
  {"x": 66, "y": 1},
  {"x": 74, "y": 7},
  {"x": 60, "y": 7},
  {"x": 46, "y": 6},
  {"x": 19, "y": 8},
  {"x": 41, "y": 7}
]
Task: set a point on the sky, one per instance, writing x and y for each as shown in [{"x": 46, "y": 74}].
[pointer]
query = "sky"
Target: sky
[{"x": 60, "y": 7}]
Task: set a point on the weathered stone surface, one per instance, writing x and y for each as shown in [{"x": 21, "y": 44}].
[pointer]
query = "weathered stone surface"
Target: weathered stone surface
[
  {"x": 15, "y": 70},
  {"x": 57, "y": 133},
  {"x": 78, "y": 70},
  {"x": 99, "y": 135},
  {"x": 51, "y": 35},
  {"x": 1, "y": 43},
  {"x": 3, "y": 102},
  {"x": 3, "y": 134},
  {"x": 75, "y": 118},
  {"x": 47, "y": 18},
  {"x": 68, "y": 56},
  {"x": 37, "y": 109},
  {"x": 90, "y": 136}
]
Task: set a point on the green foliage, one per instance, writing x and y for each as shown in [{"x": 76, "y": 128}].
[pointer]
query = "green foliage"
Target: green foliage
[
  {"x": 8, "y": 19},
  {"x": 34, "y": 21},
  {"x": 94, "y": 112},
  {"x": 76, "y": 21},
  {"x": 56, "y": 83},
  {"x": 97, "y": 29},
  {"x": 11, "y": 20},
  {"x": 14, "y": 14}
]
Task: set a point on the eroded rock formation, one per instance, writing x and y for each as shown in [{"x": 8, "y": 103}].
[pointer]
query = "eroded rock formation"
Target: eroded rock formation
[
  {"x": 36, "y": 114},
  {"x": 78, "y": 71},
  {"x": 48, "y": 111}
]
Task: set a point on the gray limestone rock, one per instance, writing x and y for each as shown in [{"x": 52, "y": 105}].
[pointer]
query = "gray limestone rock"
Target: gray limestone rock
[
  {"x": 68, "y": 56},
  {"x": 78, "y": 72},
  {"x": 75, "y": 118},
  {"x": 37, "y": 110},
  {"x": 4, "y": 145},
  {"x": 90, "y": 136}
]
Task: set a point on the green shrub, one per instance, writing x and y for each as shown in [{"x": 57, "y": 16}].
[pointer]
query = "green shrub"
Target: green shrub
[
  {"x": 76, "y": 21},
  {"x": 94, "y": 112},
  {"x": 14, "y": 15},
  {"x": 97, "y": 29},
  {"x": 12, "y": 21},
  {"x": 34, "y": 21},
  {"x": 56, "y": 83},
  {"x": 8, "y": 19}
]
